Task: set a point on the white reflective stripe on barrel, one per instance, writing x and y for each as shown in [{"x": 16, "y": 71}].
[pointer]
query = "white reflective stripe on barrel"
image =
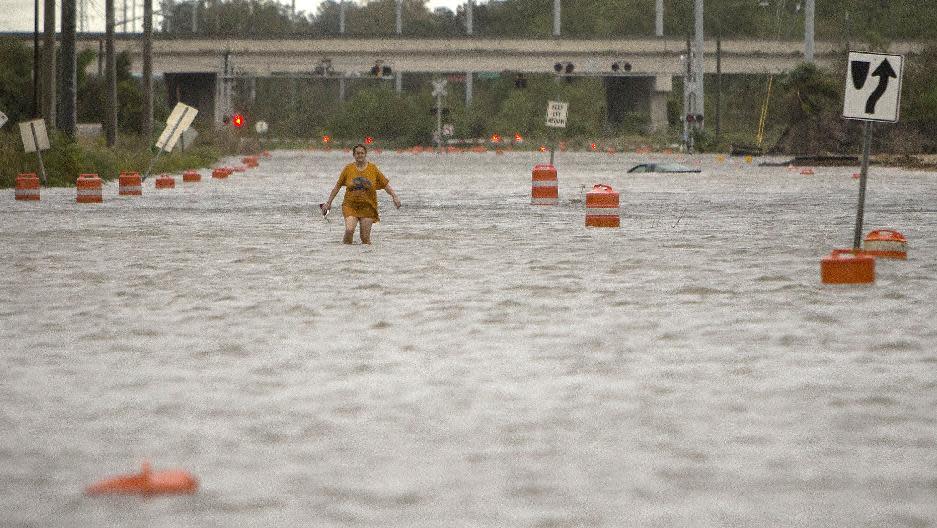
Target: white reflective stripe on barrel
[
  {"x": 27, "y": 192},
  {"x": 131, "y": 188},
  {"x": 602, "y": 211},
  {"x": 543, "y": 201},
  {"x": 543, "y": 183},
  {"x": 89, "y": 192}
]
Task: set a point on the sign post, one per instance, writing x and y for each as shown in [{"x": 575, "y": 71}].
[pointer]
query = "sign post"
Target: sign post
[
  {"x": 868, "y": 100},
  {"x": 3, "y": 119},
  {"x": 439, "y": 90},
  {"x": 556, "y": 118},
  {"x": 35, "y": 140},
  {"x": 178, "y": 121}
]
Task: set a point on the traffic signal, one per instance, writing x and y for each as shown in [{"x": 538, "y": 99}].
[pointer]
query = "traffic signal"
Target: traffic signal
[
  {"x": 237, "y": 120},
  {"x": 621, "y": 67},
  {"x": 520, "y": 81},
  {"x": 564, "y": 68},
  {"x": 368, "y": 140},
  {"x": 380, "y": 71},
  {"x": 445, "y": 111}
]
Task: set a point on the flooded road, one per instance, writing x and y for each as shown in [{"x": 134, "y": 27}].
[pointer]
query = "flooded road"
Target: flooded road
[{"x": 485, "y": 363}]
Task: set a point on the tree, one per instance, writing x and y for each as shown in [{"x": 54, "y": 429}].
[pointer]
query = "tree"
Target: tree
[{"x": 15, "y": 80}]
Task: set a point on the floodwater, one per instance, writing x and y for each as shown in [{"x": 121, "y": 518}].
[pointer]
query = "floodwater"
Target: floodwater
[{"x": 485, "y": 363}]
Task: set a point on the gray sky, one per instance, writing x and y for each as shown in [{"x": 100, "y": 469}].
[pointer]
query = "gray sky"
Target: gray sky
[{"x": 17, "y": 15}]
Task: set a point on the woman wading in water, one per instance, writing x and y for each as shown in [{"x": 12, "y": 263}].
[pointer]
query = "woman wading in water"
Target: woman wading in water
[{"x": 361, "y": 180}]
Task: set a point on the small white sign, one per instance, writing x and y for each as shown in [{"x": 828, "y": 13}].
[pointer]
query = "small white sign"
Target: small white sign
[
  {"x": 261, "y": 127},
  {"x": 556, "y": 114},
  {"x": 34, "y": 135},
  {"x": 439, "y": 88},
  {"x": 178, "y": 121},
  {"x": 448, "y": 129},
  {"x": 186, "y": 139},
  {"x": 3, "y": 119},
  {"x": 873, "y": 86}
]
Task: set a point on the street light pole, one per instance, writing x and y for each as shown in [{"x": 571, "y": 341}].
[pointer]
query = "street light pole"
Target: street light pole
[
  {"x": 809, "y": 11},
  {"x": 36, "y": 58}
]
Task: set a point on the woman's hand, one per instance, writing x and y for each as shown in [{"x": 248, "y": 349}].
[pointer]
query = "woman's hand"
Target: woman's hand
[
  {"x": 325, "y": 207},
  {"x": 396, "y": 201}
]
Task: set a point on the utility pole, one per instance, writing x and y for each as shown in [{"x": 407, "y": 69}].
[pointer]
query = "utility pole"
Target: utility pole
[
  {"x": 35, "y": 58},
  {"x": 341, "y": 18},
  {"x": 809, "y": 12},
  {"x": 659, "y": 19},
  {"x": 468, "y": 17},
  {"x": 67, "y": 120},
  {"x": 147, "y": 69},
  {"x": 195, "y": 6},
  {"x": 556, "y": 18},
  {"x": 110, "y": 74},
  {"x": 399, "y": 13},
  {"x": 698, "y": 99},
  {"x": 48, "y": 52}
]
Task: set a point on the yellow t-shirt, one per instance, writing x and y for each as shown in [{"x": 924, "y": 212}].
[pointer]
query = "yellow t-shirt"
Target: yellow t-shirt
[{"x": 361, "y": 188}]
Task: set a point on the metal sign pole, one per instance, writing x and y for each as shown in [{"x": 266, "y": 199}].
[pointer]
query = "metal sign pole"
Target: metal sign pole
[
  {"x": 160, "y": 151},
  {"x": 863, "y": 176},
  {"x": 42, "y": 167},
  {"x": 439, "y": 120}
]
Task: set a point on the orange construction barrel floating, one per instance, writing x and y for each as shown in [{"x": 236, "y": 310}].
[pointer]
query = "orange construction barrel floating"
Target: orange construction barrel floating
[
  {"x": 807, "y": 171},
  {"x": 89, "y": 188},
  {"x": 165, "y": 181},
  {"x": 220, "y": 173},
  {"x": 885, "y": 243},
  {"x": 191, "y": 176},
  {"x": 543, "y": 185},
  {"x": 845, "y": 266},
  {"x": 27, "y": 187},
  {"x": 147, "y": 482},
  {"x": 602, "y": 207},
  {"x": 129, "y": 184}
]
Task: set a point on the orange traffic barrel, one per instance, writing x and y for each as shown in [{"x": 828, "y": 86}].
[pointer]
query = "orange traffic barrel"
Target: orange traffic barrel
[
  {"x": 146, "y": 482},
  {"x": 89, "y": 188},
  {"x": 27, "y": 187},
  {"x": 220, "y": 173},
  {"x": 885, "y": 243},
  {"x": 129, "y": 184},
  {"x": 807, "y": 171},
  {"x": 250, "y": 161},
  {"x": 543, "y": 185},
  {"x": 266, "y": 154},
  {"x": 165, "y": 181},
  {"x": 602, "y": 207},
  {"x": 191, "y": 176},
  {"x": 846, "y": 266}
]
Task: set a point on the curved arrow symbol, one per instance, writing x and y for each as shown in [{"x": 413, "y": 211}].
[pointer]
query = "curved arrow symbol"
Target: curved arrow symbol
[{"x": 883, "y": 72}]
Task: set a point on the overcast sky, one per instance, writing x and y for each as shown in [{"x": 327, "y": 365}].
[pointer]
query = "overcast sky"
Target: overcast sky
[{"x": 17, "y": 15}]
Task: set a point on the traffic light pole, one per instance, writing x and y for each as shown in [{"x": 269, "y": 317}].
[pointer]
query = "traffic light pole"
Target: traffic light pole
[{"x": 439, "y": 121}]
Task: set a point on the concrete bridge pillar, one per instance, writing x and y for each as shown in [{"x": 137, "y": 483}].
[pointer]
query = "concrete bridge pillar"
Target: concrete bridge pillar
[{"x": 657, "y": 102}]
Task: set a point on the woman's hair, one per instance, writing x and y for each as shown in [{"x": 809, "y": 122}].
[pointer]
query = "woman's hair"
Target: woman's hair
[{"x": 361, "y": 146}]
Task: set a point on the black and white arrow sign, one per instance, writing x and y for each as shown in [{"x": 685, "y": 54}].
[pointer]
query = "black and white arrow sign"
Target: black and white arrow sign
[{"x": 875, "y": 96}]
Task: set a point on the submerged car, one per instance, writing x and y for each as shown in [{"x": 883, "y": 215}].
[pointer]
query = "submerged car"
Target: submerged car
[{"x": 662, "y": 167}]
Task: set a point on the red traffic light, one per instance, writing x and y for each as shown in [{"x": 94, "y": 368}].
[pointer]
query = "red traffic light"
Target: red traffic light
[
  {"x": 237, "y": 120},
  {"x": 368, "y": 140}
]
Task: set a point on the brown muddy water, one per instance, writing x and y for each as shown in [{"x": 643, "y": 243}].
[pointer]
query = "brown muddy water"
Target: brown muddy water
[{"x": 485, "y": 363}]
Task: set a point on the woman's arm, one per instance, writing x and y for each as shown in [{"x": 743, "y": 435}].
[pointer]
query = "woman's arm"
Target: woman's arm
[
  {"x": 328, "y": 203},
  {"x": 390, "y": 191}
]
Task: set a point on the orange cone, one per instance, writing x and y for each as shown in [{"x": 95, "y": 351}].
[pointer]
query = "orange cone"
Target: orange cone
[{"x": 147, "y": 482}]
